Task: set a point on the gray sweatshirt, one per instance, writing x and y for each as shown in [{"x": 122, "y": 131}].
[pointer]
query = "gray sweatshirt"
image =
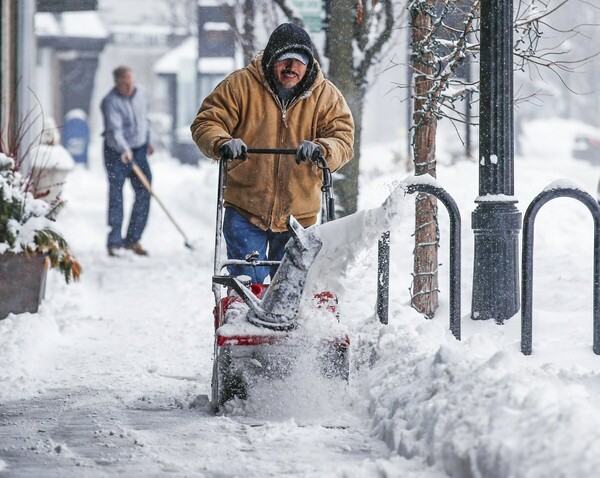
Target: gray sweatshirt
[{"x": 126, "y": 124}]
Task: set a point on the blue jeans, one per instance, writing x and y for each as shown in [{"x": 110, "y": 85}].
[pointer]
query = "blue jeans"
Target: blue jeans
[
  {"x": 118, "y": 172},
  {"x": 242, "y": 238}
]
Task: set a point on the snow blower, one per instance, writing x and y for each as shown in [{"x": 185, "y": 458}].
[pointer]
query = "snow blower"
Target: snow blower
[{"x": 257, "y": 331}]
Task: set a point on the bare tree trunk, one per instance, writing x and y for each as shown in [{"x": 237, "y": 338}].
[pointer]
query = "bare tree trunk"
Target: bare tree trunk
[
  {"x": 248, "y": 35},
  {"x": 347, "y": 28},
  {"x": 424, "y": 290},
  {"x": 340, "y": 36}
]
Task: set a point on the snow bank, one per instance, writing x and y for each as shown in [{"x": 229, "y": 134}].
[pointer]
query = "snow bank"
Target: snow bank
[
  {"x": 25, "y": 341},
  {"x": 477, "y": 410}
]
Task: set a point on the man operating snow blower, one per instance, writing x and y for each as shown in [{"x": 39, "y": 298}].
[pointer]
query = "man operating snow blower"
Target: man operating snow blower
[{"x": 281, "y": 100}]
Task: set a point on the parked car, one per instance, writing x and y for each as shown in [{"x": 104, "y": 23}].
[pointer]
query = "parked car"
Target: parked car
[{"x": 587, "y": 147}]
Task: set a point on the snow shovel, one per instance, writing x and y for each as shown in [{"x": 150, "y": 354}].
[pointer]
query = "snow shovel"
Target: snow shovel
[{"x": 144, "y": 180}]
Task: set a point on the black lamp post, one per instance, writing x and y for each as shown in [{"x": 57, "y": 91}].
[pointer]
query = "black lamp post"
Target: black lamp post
[{"x": 496, "y": 220}]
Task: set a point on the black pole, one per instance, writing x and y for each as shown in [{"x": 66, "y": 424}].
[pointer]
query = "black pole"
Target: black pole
[
  {"x": 496, "y": 221},
  {"x": 409, "y": 102},
  {"x": 469, "y": 98},
  {"x": 383, "y": 277}
]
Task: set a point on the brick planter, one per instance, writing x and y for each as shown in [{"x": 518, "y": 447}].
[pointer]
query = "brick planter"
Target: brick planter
[{"x": 22, "y": 283}]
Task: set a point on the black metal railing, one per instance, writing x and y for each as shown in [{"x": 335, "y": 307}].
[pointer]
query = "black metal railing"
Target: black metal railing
[
  {"x": 527, "y": 260},
  {"x": 455, "y": 248}
]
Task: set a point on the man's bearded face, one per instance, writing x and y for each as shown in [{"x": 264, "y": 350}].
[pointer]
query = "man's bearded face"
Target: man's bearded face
[{"x": 289, "y": 72}]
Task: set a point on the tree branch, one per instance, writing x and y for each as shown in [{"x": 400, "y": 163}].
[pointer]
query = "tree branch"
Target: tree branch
[{"x": 373, "y": 51}]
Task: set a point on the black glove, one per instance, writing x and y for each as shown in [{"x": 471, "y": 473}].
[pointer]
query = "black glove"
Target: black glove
[
  {"x": 308, "y": 151},
  {"x": 234, "y": 149}
]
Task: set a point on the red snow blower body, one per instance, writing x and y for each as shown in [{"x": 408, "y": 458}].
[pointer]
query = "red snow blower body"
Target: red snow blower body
[{"x": 260, "y": 329}]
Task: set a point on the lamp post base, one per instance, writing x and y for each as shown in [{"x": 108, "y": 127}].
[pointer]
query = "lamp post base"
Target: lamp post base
[{"x": 496, "y": 268}]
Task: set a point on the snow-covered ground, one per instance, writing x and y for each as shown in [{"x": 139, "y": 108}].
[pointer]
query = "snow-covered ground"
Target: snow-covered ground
[{"x": 112, "y": 376}]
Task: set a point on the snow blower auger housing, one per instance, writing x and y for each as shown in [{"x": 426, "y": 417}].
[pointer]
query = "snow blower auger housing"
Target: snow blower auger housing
[{"x": 257, "y": 329}]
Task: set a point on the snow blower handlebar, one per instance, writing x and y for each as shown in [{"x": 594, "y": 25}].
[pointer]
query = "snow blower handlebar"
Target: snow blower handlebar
[{"x": 271, "y": 151}]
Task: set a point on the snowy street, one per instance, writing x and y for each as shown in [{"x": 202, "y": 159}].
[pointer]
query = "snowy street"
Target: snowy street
[{"x": 112, "y": 376}]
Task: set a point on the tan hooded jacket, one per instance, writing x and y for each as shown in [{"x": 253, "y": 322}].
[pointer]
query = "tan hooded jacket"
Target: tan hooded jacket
[{"x": 266, "y": 189}]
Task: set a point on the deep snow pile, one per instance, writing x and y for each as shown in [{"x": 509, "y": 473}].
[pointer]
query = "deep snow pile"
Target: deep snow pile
[
  {"x": 472, "y": 408},
  {"x": 479, "y": 407}
]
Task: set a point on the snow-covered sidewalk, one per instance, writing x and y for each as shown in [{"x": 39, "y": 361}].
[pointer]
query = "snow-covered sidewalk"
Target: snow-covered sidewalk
[
  {"x": 116, "y": 381},
  {"x": 112, "y": 376}
]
